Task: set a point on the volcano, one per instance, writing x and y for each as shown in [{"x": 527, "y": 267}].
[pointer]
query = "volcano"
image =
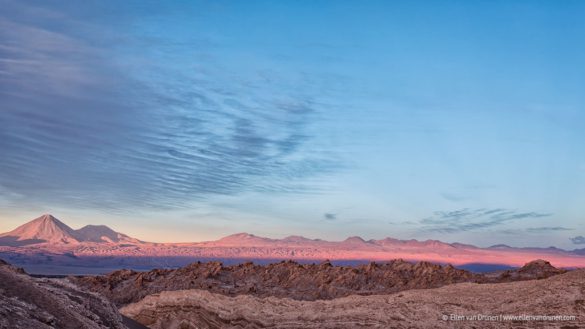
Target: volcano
[
  {"x": 42, "y": 229},
  {"x": 48, "y": 229}
]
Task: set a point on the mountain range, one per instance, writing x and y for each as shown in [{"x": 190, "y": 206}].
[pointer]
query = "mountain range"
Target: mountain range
[
  {"x": 46, "y": 240},
  {"x": 48, "y": 229}
]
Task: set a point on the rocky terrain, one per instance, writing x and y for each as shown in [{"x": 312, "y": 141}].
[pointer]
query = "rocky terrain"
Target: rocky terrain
[
  {"x": 298, "y": 281},
  {"x": 397, "y": 294},
  {"x": 27, "y": 303},
  {"x": 535, "y": 270},
  {"x": 558, "y": 295},
  {"x": 284, "y": 279}
]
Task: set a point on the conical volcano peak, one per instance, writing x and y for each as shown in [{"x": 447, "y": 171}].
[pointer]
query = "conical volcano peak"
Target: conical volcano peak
[
  {"x": 49, "y": 229},
  {"x": 48, "y": 218},
  {"x": 45, "y": 228},
  {"x": 49, "y": 221}
]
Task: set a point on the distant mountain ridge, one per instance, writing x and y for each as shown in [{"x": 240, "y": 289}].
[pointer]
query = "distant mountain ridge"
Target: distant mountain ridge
[
  {"x": 48, "y": 240},
  {"x": 48, "y": 229}
]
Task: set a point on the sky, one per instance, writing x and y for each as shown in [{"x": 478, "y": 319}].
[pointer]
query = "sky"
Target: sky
[{"x": 191, "y": 120}]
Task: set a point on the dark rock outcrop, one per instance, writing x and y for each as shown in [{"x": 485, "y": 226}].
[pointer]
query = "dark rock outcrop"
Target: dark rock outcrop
[
  {"x": 534, "y": 270},
  {"x": 284, "y": 279},
  {"x": 299, "y": 281},
  {"x": 30, "y": 303}
]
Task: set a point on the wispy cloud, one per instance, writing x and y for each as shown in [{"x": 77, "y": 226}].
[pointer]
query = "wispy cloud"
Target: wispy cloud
[
  {"x": 534, "y": 230},
  {"x": 453, "y": 197},
  {"x": 80, "y": 129},
  {"x": 547, "y": 229},
  {"x": 473, "y": 219},
  {"x": 578, "y": 239}
]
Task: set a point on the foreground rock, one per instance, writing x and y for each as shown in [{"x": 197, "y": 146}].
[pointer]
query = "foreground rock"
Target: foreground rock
[
  {"x": 29, "y": 303},
  {"x": 297, "y": 281},
  {"x": 559, "y": 295}
]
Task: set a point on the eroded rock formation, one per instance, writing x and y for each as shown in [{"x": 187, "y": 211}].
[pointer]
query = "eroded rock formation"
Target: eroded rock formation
[
  {"x": 298, "y": 281},
  {"x": 28, "y": 303},
  {"x": 559, "y": 295}
]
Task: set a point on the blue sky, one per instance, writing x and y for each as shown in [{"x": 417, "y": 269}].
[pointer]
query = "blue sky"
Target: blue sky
[{"x": 182, "y": 121}]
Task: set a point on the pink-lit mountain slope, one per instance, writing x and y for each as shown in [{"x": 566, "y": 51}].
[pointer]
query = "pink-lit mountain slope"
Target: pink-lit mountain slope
[
  {"x": 43, "y": 229},
  {"x": 47, "y": 229},
  {"x": 101, "y": 234},
  {"x": 47, "y": 235}
]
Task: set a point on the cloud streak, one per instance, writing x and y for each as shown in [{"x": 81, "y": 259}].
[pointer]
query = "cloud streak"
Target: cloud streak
[
  {"x": 547, "y": 229},
  {"x": 578, "y": 239},
  {"x": 473, "y": 219}
]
